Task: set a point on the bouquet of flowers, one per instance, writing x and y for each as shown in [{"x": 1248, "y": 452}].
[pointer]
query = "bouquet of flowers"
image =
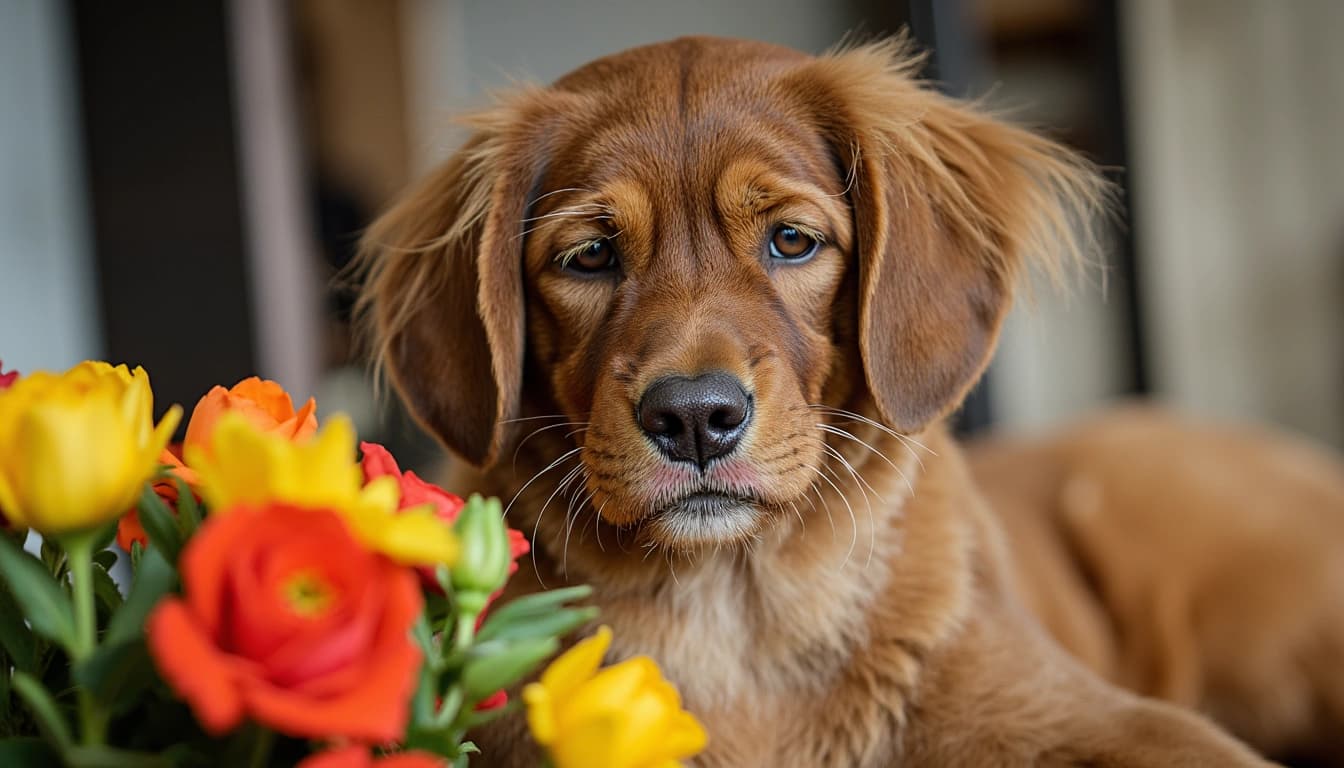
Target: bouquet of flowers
[{"x": 257, "y": 596}]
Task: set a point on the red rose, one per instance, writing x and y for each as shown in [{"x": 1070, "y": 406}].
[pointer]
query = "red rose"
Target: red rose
[
  {"x": 6, "y": 379},
  {"x": 287, "y": 619}
]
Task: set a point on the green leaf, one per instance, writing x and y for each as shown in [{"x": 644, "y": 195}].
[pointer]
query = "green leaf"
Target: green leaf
[
  {"x": 555, "y": 624},
  {"x": 105, "y": 589},
  {"x": 43, "y": 707},
  {"x": 137, "y": 551},
  {"x": 53, "y": 557},
  {"x": 529, "y": 607},
  {"x": 159, "y": 524},
  {"x": 116, "y": 674},
  {"x": 109, "y": 757},
  {"x": 15, "y": 636},
  {"x": 45, "y": 604},
  {"x": 106, "y": 558},
  {"x": 104, "y": 537},
  {"x": 492, "y": 666},
  {"x": 424, "y": 637},
  {"x": 477, "y": 719},
  {"x": 153, "y": 579},
  {"x": 27, "y": 753},
  {"x": 188, "y": 511}
]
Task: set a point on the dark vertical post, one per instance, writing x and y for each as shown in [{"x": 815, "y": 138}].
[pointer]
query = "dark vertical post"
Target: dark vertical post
[
  {"x": 956, "y": 65},
  {"x": 160, "y": 148},
  {"x": 1113, "y": 152}
]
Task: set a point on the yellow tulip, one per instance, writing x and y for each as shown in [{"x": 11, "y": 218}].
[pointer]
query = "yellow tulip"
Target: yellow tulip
[
  {"x": 246, "y": 465},
  {"x": 624, "y": 716},
  {"x": 76, "y": 448}
]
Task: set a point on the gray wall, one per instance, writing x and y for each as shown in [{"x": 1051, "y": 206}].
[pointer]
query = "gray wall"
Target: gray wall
[{"x": 47, "y": 315}]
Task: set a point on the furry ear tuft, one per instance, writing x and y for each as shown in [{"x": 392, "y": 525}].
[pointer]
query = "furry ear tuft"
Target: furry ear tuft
[
  {"x": 442, "y": 300},
  {"x": 950, "y": 205}
]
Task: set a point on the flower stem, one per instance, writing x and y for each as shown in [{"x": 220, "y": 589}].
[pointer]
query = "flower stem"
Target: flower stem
[
  {"x": 466, "y": 632},
  {"x": 261, "y": 747},
  {"x": 79, "y": 553}
]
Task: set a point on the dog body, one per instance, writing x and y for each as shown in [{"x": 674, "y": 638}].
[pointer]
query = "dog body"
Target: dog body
[
  {"x": 700, "y": 309},
  {"x": 1191, "y": 562}
]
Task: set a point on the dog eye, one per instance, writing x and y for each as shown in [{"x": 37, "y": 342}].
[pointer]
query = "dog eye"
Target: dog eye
[
  {"x": 789, "y": 243},
  {"x": 590, "y": 257}
]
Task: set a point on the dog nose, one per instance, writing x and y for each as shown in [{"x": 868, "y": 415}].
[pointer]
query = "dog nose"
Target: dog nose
[{"x": 695, "y": 419}]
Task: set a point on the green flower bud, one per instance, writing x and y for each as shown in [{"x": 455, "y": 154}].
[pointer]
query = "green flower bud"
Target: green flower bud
[{"x": 483, "y": 563}]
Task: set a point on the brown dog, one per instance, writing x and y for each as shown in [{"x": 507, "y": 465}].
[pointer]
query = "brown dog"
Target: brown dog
[
  {"x": 728, "y": 292},
  {"x": 1192, "y": 562}
]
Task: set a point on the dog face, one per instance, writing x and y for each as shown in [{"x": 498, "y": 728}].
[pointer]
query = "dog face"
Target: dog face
[{"x": 695, "y": 252}]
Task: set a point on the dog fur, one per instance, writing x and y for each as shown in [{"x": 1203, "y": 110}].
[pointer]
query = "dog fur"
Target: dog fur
[
  {"x": 1197, "y": 563},
  {"x": 856, "y": 603}
]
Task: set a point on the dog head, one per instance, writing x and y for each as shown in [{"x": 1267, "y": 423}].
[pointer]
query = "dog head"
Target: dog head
[{"x": 695, "y": 252}]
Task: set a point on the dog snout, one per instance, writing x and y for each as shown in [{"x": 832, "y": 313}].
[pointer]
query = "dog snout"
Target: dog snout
[{"x": 695, "y": 419}]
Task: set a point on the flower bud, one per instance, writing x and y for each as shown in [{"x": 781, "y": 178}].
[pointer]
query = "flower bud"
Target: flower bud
[{"x": 484, "y": 556}]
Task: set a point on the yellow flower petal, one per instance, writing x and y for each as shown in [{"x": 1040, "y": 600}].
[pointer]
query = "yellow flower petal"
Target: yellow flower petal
[
  {"x": 540, "y": 713},
  {"x": 409, "y": 537},
  {"x": 624, "y": 716},
  {"x": 577, "y": 665},
  {"x": 245, "y": 465},
  {"x": 590, "y": 744},
  {"x": 76, "y": 448}
]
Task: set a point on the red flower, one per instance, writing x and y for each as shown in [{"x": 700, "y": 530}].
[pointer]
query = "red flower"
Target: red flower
[
  {"x": 287, "y": 619},
  {"x": 378, "y": 462},
  {"x": 359, "y": 757}
]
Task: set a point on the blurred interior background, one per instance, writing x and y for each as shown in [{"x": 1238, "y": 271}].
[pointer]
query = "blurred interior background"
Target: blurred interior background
[{"x": 179, "y": 182}]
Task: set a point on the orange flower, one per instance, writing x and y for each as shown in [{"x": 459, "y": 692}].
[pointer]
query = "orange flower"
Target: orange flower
[
  {"x": 262, "y": 402},
  {"x": 287, "y": 619},
  {"x": 359, "y": 757},
  {"x": 129, "y": 529}
]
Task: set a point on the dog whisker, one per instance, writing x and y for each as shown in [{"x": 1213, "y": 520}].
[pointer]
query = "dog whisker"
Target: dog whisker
[
  {"x": 597, "y": 528},
  {"x": 906, "y": 439},
  {"x": 537, "y": 525},
  {"x": 557, "y": 192},
  {"x": 564, "y": 482},
  {"x": 571, "y": 516},
  {"x": 578, "y": 210},
  {"x": 853, "y": 519},
  {"x": 539, "y": 430},
  {"x": 864, "y": 488},
  {"x": 532, "y": 418},
  {"x": 837, "y": 431},
  {"x": 544, "y": 470},
  {"x": 822, "y": 498}
]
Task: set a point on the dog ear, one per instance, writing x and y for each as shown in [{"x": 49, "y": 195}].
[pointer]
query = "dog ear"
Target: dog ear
[
  {"x": 948, "y": 204},
  {"x": 442, "y": 295}
]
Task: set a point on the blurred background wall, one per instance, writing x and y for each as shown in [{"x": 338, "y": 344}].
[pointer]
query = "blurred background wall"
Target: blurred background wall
[{"x": 179, "y": 183}]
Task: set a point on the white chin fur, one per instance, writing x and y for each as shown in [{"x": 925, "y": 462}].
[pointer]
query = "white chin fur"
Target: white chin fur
[{"x": 681, "y": 526}]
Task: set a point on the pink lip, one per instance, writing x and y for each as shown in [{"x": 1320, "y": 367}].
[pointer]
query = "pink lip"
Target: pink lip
[
  {"x": 732, "y": 476},
  {"x": 669, "y": 480},
  {"x": 736, "y": 475}
]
